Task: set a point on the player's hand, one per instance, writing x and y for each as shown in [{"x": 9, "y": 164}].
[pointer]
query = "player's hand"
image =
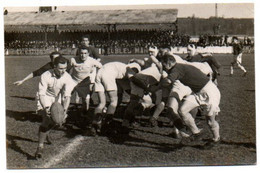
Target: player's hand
[
  {"x": 65, "y": 116},
  {"x": 47, "y": 111},
  {"x": 20, "y": 82},
  {"x": 165, "y": 82}
]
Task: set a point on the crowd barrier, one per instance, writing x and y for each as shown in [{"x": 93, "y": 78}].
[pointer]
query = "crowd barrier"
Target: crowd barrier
[{"x": 127, "y": 50}]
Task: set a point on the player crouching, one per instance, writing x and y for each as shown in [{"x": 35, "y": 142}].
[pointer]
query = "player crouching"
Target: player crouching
[
  {"x": 53, "y": 84},
  {"x": 205, "y": 95},
  {"x": 113, "y": 79}
]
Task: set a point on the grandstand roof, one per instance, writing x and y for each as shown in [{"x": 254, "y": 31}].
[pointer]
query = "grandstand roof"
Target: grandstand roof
[{"x": 88, "y": 20}]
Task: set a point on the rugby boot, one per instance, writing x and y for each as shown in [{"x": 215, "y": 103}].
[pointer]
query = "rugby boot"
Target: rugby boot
[
  {"x": 39, "y": 153},
  {"x": 153, "y": 122},
  {"x": 48, "y": 140}
]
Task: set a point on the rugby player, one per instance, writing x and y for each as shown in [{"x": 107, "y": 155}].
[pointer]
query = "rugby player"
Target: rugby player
[
  {"x": 41, "y": 70},
  {"x": 55, "y": 84},
  {"x": 83, "y": 75},
  {"x": 205, "y": 95},
  {"x": 112, "y": 78},
  {"x": 237, "y": 57},
  {"x": 93, "y": 52},
  {"x": 85, "y": 42},
  {"x": 141, "y": 84},
  {"x": 194, "y": 56},
  {"x": 173, "y": 96}
]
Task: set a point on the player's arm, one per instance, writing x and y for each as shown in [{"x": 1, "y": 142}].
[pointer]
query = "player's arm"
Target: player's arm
[
  {"x": 66, "y": 103},
  {"x": 170, "y": 79},
  {"x": 20, "y": 82},
  {"x": 72, "y": 65},
  {"x": 157, "y": 63},
  {"x": 131, "y": 72},
  {"x": 97, "y": 64},
  {"x": 68, "y": 87},
  {"x": 138, "y": 61},
  {"x": 42, "y": 93},
  {"x": 33, "y": 74}
]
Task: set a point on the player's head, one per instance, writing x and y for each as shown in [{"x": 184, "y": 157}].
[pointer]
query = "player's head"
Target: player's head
[
  {"x": 168, "y": 61},
  {"x": 235, "y": 39},
  {"x": 60, "y": 66},
  {"x": 162, "y": 52},
  {"x": 54, "y": 55},
  {"x": 191, "y": 49},
  {"x": 84, "y": 53},
  {"x": 132, "y": 69},
  {"x": 85, "y": 40},
  {"x": 153, "y": 51},
  {"x": 134, "y": 66}
]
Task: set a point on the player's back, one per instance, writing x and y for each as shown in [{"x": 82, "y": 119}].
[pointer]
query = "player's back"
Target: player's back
[{"x": 115, "y": 69}]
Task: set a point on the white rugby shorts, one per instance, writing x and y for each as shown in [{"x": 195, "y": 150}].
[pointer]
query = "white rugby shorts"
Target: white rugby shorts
[
  {"x": 208, "y": 99},
  {"x": 104, "y": 81},
  {"x": 179, "y": 89}
]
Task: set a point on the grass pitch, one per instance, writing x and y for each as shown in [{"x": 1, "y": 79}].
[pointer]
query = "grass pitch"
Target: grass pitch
[{"x": 144, "y": 146}]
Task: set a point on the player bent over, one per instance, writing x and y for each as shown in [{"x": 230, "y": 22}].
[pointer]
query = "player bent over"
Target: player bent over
[
  {"x": 53, "y": 84},
  {"x": 205, "y": 94},
  {"x": 237, "y": 57},
  {"x": 178, "y": 91},
  {"x": 41, "y": 70},
  {"x": 110, "y": 78}
]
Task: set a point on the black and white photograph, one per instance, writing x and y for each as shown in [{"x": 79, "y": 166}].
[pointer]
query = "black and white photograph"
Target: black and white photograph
[{"x": 143, "y": 85}]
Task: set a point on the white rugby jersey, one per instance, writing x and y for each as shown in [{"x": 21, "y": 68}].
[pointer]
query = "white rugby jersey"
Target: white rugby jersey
[
  {"x": 82, "y": 70},
  {"x": 117, "y": 70},
  {"x": 51, "y": 85}
]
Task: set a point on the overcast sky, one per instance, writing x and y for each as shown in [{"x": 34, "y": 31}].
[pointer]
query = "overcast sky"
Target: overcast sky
[{"x": 203, "y": 10}]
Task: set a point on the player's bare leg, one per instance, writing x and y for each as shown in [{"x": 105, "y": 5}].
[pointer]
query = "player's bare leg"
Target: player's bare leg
[
  {"x": 187, "y": 117},
  {"x": 173, "y": 114},
  {"x": 242, "y": 68},
  {"x": 214, "y": 127},
  {"x": 158, "y": 110},
  {"x": 43, "y": 132},
  {"x": 98, "y": 113},
  {"x": 232, "y": 69}
]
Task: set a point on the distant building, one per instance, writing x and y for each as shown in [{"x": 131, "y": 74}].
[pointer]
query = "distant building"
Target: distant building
[{"x": 45, "y": 9}]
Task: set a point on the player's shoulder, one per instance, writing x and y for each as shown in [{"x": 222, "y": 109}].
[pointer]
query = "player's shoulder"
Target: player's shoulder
[
  {"x": 67, "y": 76},
  {"x": 47, "y": 73}
]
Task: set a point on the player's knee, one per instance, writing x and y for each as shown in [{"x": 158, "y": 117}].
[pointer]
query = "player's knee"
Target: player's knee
[
  {"x": 212, "y": 123},
  {"x": 113, "y": 103},
  {"x": 182, "y": 111},
  {"x": 171, "y": 113},
  {"x": 102, "y": 103}
]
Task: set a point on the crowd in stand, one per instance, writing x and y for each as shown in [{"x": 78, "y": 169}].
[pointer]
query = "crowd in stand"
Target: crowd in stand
[{"x": 117, "y": 42}]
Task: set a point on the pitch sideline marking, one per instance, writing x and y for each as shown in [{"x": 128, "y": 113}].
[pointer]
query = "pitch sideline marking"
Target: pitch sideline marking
[{"x": 64, "y": 152}]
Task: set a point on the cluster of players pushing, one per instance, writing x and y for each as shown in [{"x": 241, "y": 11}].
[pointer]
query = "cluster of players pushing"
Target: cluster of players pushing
[{"x": 181, "y": 85}]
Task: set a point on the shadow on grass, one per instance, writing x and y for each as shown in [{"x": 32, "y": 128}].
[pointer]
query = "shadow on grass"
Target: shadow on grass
[
  {"x": 11, "y": 143},
  {"x": 24, "y": 97},
  {"x": 131, "y": 140},
  {"x": 24, "y": 116}
]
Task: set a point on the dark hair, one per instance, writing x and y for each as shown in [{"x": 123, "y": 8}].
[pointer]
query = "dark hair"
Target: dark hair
[
  {"x": 54, "y": 53},
  {"x": 85, "y": 36},
  {"x": 135, "y": 70},
  {"x": 235, "y": 38},
  {"x": 83, "y": 48},
  {"x": 167, "y": 56},
  {"x": 60, "y": 60}
]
